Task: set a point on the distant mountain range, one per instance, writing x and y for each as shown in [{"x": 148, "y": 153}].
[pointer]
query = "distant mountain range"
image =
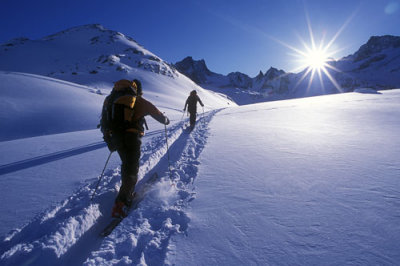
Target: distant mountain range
[
  {"x": 93, "y": 56},
  {"x": 375, "y": 65}
]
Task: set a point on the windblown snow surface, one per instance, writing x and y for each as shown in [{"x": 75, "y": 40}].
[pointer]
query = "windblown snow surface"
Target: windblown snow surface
[{"x": 312, "y": 181}]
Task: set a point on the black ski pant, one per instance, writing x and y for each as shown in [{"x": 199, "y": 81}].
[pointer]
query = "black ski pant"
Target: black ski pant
[
  {"x": 192, "y": 118},
  {"x": 128, "y": 148}
]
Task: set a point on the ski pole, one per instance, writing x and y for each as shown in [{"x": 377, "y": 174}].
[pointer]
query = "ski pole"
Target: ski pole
[
  {"x": 204, "y": 122},
  {"x": 101, "y": 176},
  {"x": 187, "y": 114},
  {"x": 166, "y": 140}
]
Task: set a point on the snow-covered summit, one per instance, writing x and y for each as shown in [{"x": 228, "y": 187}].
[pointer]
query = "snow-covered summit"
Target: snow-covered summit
[{"x": 84, "y": 50}]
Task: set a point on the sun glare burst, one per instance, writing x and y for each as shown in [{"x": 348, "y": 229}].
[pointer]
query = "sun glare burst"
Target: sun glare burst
[{"x": 316, "y": 59}]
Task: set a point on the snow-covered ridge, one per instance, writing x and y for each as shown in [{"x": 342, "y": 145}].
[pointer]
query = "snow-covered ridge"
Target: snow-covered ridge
[{"x": 88, "y": 49}]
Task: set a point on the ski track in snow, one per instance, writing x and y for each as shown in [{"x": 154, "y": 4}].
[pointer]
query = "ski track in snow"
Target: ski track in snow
[
  {"x": 67, "y": 234},
  {"x": 144, "y": 237}
]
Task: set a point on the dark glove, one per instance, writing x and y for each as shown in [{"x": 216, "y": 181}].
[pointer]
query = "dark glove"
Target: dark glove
[
  {"x": 166, "y": 121},
  {"x": 110, "y": 144}
]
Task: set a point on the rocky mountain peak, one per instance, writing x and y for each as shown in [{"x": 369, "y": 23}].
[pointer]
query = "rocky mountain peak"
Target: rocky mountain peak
[
  {"x": 190, "y": 64},
  {"x": 273, "y": 73},
  {"x": 239, "y": 80},
  {"x": 375, "y": 45},
  {"x": 196, "y": 70},
  {"x": 259, "y": 76}
]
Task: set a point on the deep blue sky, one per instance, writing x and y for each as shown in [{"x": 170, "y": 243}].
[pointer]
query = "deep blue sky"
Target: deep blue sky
[{"x": 230, "y": 36}]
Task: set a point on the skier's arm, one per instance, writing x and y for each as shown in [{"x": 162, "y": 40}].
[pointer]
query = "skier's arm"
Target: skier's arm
[
  {"x": 155, "y": 113},
  {"x": 201, "y": 103},
  {"x": 186, "y": 104}
]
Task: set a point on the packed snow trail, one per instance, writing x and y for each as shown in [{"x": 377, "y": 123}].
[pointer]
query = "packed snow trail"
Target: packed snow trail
[
  {"x": 144, "y": 236},
  {"x": 68, "y": 233}
]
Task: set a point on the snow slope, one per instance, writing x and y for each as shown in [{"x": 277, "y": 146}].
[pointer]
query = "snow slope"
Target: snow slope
[
  {"x": 35, "y": 105},
  {"x": 307, "y": 181},
  {"x": 313, "y": 182}
]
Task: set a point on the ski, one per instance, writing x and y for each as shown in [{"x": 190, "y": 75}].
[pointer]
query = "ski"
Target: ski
[
  {"x": 110, "y": 227},
  {"x": 135, "y": 203}
]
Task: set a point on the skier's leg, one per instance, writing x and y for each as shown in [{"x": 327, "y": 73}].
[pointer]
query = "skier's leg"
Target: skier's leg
[
  {"x": 130, "y": 167},
  {"x": 192, "y": 119}
]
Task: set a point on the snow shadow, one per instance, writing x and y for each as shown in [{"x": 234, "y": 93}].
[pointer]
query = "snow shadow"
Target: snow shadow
[
  {"x": 52, "y": 233},
  {"x": 39, "y": 160}
]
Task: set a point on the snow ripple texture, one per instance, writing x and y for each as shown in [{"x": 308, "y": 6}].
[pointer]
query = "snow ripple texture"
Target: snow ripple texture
[{"x": 67, "y": 233}]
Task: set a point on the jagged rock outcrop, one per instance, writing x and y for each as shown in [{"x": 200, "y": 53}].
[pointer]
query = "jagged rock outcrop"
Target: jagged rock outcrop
[{"x": 196, "y": 70}]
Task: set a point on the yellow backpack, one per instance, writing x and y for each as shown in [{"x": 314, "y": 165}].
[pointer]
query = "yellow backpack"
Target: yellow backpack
[{"x": 118, "y": 107}]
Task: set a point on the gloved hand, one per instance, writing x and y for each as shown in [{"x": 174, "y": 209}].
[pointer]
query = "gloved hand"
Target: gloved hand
[
  {"x": 166, "y": 121},
  {"x": 108, "y": 140}
]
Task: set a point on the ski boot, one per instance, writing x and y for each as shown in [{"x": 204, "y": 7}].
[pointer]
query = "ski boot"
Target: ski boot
[{"x": 120, "y": 210}]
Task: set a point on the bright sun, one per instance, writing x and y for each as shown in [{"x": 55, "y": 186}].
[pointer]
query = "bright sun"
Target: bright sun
[{"x": 315, "y": 59}]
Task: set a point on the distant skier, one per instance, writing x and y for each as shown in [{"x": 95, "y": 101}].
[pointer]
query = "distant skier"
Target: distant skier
[
  {"x": 191, "y": 104},
  {"x": 126, "y": 133}
]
